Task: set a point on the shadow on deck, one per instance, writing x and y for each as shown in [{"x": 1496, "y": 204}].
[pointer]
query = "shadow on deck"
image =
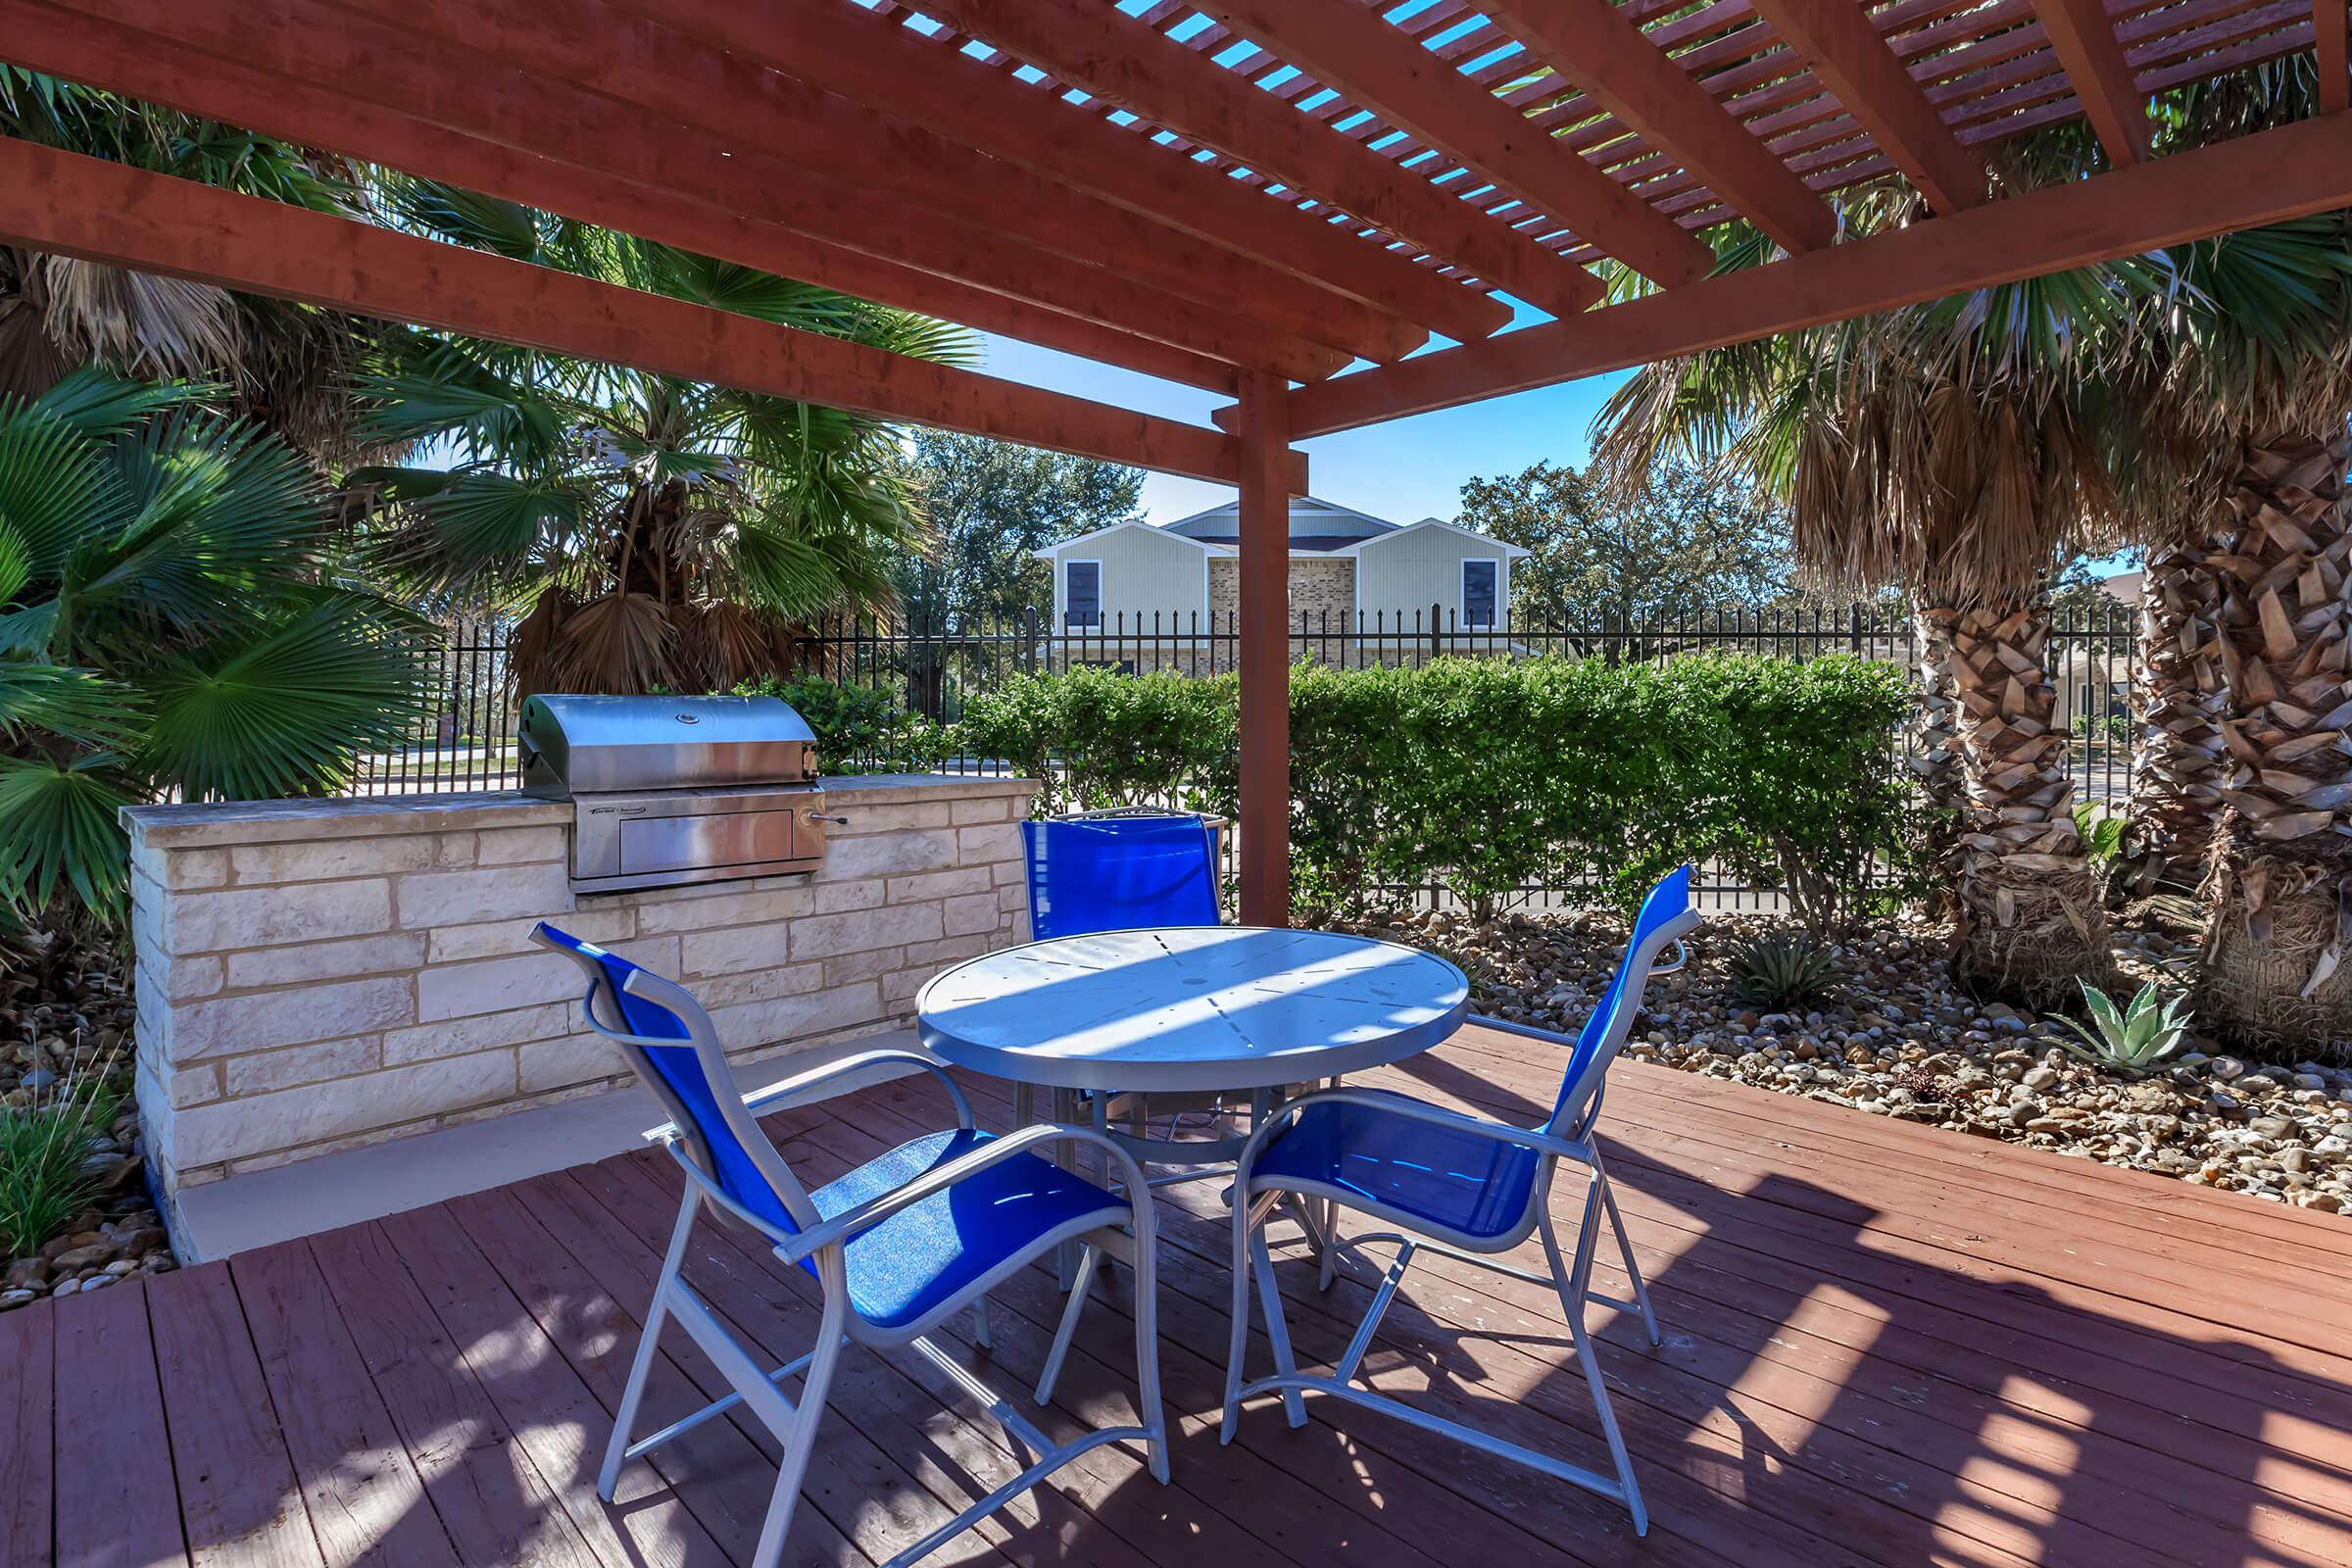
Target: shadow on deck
[{"x": 1884, "y": 1345}]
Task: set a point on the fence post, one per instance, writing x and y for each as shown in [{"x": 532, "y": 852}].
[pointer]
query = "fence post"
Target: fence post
[
  {"x": 1853, "y": 617},
  {"x": 1437, "y": 613}
]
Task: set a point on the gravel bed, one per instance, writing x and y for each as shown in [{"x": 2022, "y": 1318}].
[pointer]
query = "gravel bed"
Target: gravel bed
[
  {"x": 62, "y": 1028},
  {"x": 1897, "y": 1037}
]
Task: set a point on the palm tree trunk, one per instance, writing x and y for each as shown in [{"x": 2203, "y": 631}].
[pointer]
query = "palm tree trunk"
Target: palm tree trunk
[
  {"x": 2180, "y": 692},
  {"x": 2278, "y": 953},
  {"x": 1936, "y": 745},
  {"x": 2027, "y": 921}
]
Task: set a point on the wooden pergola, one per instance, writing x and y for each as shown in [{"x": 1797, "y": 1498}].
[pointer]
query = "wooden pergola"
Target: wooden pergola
[{"x": 1249, "y": 196}]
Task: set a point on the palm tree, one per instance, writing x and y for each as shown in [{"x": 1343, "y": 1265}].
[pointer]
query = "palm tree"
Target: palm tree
[
  {"x": 172, "y": 623},
  {"x": 2256, "y": 384},
  {"x": 282, "y": 365},
  {"x": 648, "y": 532},
  {"x": 1956, "y": 449}
]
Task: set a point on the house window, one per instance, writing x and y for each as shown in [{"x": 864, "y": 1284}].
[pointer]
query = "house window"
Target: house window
[
  {"x": 1082, "y": 593},
  {"x": 1481, "y": 590}
]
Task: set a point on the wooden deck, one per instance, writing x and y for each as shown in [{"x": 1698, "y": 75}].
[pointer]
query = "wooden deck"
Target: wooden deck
[{"x": 1886, "y": 1344}]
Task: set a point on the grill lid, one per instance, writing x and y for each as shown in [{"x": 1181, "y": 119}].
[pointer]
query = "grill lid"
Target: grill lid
[{"x": 595, "y": 745}]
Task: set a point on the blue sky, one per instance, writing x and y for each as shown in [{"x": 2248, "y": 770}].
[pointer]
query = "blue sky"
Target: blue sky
[{"x": 1404, "y": 470}]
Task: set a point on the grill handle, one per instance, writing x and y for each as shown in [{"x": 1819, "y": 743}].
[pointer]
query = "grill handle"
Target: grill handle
[{"x": 823, "y": 816}]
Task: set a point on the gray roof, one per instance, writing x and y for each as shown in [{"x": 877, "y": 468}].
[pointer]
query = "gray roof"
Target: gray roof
[{"x": 1315, "y": 525}]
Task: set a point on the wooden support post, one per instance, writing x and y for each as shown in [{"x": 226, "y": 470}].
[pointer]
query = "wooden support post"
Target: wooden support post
[{"x": 1265, "y": 651}]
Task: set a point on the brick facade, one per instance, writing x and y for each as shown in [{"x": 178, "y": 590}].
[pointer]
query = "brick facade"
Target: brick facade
[{"x": 315, "y": 976}]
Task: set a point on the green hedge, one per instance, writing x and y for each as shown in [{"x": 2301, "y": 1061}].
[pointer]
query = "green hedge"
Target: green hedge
[
  {"x": 858, "y": 729},
  {"x": 1485, "y": 776}
]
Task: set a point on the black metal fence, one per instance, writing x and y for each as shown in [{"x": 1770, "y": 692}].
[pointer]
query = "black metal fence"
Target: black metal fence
[{"x": 469, "y": 742}]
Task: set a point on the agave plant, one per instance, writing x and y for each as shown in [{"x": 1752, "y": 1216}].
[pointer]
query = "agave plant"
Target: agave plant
[
  {"x": 170, "y": 624},
  {"x": 2131, "y": 1038},
  {"x": 1782, "y": 969}
]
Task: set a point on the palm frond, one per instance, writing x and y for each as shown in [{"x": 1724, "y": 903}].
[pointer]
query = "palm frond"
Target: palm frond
[{"x": 58, "y": 831}]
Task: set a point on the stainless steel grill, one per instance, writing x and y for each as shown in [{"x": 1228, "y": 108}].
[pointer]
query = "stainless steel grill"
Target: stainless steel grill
[{"x": 677, "y": 789}]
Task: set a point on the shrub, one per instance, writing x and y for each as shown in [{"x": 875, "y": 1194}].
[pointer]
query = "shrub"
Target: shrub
[
  {"x": 1485, "y": 776},
  {"x": 858, "y": 729}
]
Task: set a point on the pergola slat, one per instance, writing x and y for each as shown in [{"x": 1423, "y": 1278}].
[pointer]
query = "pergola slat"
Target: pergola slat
[
  {"x": 102, "y": 211},
  {"x": 147, "y": 68},
  {"x": 1125, "y": 62},
  {"x": 1593, "y": 44},
  {"x": 647, "y": 70},
  {"x": 2290, "y": 171},
  {"x": 885, "y": 65},
  {"x": 306, "y": 44},
  {"x": 2331, "y": 23},
  {"x": 1381, "y": 66},
  {"x": 1837, "y": 38}
]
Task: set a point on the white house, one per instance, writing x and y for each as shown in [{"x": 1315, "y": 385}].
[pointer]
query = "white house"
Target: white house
[{"x": 1361, "y": 587}]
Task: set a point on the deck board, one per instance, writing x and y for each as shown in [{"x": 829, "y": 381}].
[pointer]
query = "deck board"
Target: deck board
[{"x": 1886, "y": 1344}]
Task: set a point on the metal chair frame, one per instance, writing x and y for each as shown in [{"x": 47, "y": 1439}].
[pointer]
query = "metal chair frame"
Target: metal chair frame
[
  {"x": 820, "y": 1243},
  {"x": 1566, "y": 1137}
]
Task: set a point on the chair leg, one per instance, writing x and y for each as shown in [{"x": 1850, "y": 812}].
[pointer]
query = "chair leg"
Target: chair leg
[
  {"x": 1149, "y": 1405},
  {"x": 808, "y": 1414},
  {"x": 632, "y": 1394},
  {"x": 984, "y": 1332},
  {"x": 1237, "y": 1346},
  {"x": 1088, "y": 1261},
  {"x": 1624, "y": 1249},
  {"x": 1278, "y": 1330},
  {"x": 1573, "y": 1281}
]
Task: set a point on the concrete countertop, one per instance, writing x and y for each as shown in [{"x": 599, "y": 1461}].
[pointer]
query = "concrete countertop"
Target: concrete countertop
[{"x": 225, "y": 822}]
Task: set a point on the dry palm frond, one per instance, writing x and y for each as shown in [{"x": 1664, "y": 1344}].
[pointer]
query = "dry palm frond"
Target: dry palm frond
[
  {"x": 620, "y": 641},
  {"x": 142, "y": 324}
]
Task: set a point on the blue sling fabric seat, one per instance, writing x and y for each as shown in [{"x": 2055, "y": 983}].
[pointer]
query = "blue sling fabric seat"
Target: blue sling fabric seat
[
  {"x": 897, "y": 1244},
  {"x": 1459, "y": 1185},
  {"x": 1119, "y": 873}
]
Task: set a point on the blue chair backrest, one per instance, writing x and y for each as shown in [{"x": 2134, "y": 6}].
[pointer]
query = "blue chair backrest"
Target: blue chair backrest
[
  {"x": 1666, "y": 916},
  {"x": 671, "y": 1046},
  {"x": 1116, "y": 873}
]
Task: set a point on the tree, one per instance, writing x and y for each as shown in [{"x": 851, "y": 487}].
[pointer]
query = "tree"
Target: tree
[
  {"x": 991, "y": 505},
  {"x": 170, "y": 623},
  {"x": 1953, "y": 449},
  {"x": 284, "y": 366},
  {"x": 1669, "y": 542},
  {"x": 651, "y": 533}
]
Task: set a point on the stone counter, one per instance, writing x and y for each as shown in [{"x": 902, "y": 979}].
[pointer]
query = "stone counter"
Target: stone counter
[{"x": 320, "y": 975}]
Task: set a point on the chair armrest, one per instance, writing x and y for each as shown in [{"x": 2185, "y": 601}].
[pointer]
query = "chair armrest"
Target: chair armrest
[
  {"x": 668, "y": 1132},
  {"x": 816, "y": 1076},
  {"x": 1530, "y": 1031},
  {"x": 865, "y": 1216},
  {"x": 1501, "y": 1132}
]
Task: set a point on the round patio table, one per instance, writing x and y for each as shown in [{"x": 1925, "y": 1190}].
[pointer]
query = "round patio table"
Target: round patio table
[
  {"x": 1238, "y": 1011},
  {"x": 1188, "y": 1008}
]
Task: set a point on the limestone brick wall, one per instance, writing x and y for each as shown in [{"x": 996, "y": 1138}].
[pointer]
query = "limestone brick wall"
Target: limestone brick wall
[{"x": 316, "y": 976}]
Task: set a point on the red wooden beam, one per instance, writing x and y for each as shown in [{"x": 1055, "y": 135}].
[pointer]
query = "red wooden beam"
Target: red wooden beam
[
  {"x": 661, "y": 75},
  {"x": 1264, "y": 569},
  {"x": 1597, "y": 46},
  {"x": 880, "y": 62},
  {"x": 108, "y": 213},
  {"x": 2085, "y": 39},
  {"x": 1343, "y": 45},
  {"x": 2266, "y": 178},
  {"x": 1124, "y": 62},
  {"x": 2331, "y": 21},
  {"x": 1837, "y": 38},
  {"x": 149, "y": 69},
  {"x": 306, "y": 43}
]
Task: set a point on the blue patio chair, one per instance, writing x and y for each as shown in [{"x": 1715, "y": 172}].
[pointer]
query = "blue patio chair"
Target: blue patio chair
[
  {"x": 897, "y": 1245},
  {"x": 1457, "y": 1185},
  {"x": 1119, "y": 872}
]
